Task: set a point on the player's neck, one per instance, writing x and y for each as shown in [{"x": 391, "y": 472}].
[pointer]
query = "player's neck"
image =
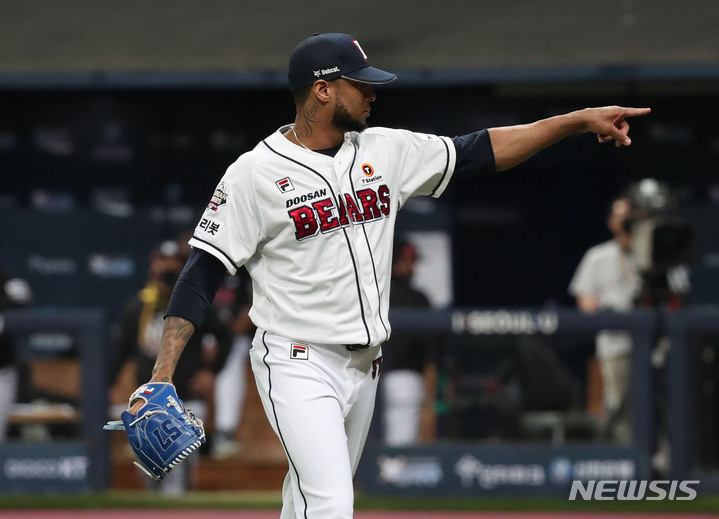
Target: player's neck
[{"x": 315, "y": 136}]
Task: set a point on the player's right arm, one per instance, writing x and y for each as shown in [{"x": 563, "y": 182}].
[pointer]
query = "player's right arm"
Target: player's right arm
[{"x": 513, "y": 145}]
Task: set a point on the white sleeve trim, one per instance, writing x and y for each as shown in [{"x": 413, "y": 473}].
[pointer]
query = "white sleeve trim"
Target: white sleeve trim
[
  {"x": 451, "y": 162},
  {"x": 217, "y": 253}
]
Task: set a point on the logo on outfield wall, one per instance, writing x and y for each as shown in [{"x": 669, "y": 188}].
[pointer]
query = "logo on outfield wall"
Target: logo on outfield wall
[
  {"x": 511, "y": 469},
  {"x": 472, "y": 471},
  {"x": 68, "y": 468},
  {"x": 410, "y": 471},
  {"x": 504, "y": 322},
  {"x": 562, "y": 470}
]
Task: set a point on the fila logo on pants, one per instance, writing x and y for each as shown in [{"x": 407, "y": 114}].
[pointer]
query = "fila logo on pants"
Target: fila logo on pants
[
  {"x": 297, "y": 351},
  {"x": 326, "y": 215}
]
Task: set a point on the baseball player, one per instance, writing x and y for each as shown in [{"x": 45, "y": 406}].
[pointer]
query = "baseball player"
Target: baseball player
[{"x": 310, "y": 212}]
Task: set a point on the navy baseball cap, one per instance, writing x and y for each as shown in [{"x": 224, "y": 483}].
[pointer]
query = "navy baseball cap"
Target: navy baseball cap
[{"x": 329, "y": 56}]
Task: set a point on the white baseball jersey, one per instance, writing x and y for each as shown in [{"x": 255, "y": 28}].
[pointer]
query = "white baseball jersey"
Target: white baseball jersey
[{"x": 316, "y": 232}]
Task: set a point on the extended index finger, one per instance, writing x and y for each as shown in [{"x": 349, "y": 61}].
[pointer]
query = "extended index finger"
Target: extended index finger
[{"x": 635, "y": 112}]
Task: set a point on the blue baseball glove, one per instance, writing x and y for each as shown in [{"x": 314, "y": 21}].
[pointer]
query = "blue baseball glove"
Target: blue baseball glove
[{"x": 163, "y": 433}]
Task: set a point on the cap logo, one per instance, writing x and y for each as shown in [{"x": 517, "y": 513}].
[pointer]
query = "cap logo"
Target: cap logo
[
  {"x": 360, "y": 49},
  {"x": 325, "y": 71}
]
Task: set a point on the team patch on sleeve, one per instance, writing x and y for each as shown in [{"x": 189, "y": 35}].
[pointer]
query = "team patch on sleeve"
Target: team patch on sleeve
[
  {"x": 209, "y": 226},
  {"x": 219, "y": 197}
]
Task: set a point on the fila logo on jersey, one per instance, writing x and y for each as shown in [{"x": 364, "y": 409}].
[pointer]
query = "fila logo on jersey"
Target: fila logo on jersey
[
  {"x": 297, "y": 351},
  {"x": 327, "y": 215},
  {"x": 218, "y": 198},
  {"x": 285, "y": 185}
]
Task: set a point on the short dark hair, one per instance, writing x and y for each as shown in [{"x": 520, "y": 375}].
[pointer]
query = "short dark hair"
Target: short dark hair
[{"x": 301, "y": 94}]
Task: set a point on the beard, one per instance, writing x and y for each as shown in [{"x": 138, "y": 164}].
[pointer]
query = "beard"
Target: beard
[{"x": 342, "y": 120}]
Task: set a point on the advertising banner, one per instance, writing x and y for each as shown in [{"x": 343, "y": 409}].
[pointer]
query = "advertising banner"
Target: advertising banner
[
  {"x": 473, "y": 470},
  {"x": 44, "y": 467}
]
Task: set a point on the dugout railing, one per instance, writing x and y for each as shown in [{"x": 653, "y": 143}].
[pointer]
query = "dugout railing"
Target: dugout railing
[
  {"x": 88, "y": 327},
  {"x": 645, "y": 326}
]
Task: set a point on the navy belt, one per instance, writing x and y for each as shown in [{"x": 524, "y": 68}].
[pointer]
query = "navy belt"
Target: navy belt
[{"x": 355, "y": 347}]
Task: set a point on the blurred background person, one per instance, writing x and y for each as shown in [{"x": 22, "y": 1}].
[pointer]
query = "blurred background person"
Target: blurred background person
[
  {"x": 642, "y": 265},
  {"x": 234, "y": 299},
  {"x": 140, "y": 336},
  {"x": 14, "y": 293},
  {"x": 608, "y": 279},
  {"x": 407, "y": 368}
]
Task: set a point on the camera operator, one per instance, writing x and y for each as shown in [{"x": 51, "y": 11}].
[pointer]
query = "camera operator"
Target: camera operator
[{"x": 643, "y": 264}]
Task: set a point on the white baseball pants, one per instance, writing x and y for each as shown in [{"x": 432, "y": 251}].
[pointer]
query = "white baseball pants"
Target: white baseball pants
[{"x": 319, "y": 399}]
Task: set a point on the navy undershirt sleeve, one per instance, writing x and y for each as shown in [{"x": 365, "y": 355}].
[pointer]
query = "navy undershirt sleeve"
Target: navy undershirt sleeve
[
  {"x": 474, "y": 154},
  {"x": 196, "y": 287}
]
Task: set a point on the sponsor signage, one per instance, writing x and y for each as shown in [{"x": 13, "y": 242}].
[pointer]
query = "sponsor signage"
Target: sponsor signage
[
  {"x": 504, "y": 322},
  {"x": 485, "y": 470},
  {"x": 44, "y": 467}
]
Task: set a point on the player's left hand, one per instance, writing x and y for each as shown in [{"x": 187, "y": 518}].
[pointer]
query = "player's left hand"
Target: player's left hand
[
  {"x": 162, "y": 433},
  {"x": 610, "y": 123}
]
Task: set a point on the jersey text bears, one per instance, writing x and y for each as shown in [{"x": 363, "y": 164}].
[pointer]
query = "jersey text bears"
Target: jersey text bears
[{"x": 327, "y": 215}]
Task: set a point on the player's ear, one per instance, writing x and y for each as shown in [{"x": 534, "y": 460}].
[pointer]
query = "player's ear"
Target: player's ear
[{"x": 321, "y": 90}]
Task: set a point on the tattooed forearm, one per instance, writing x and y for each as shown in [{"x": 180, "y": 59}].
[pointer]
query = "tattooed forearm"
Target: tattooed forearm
[{"x": 176, "y": 333}]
